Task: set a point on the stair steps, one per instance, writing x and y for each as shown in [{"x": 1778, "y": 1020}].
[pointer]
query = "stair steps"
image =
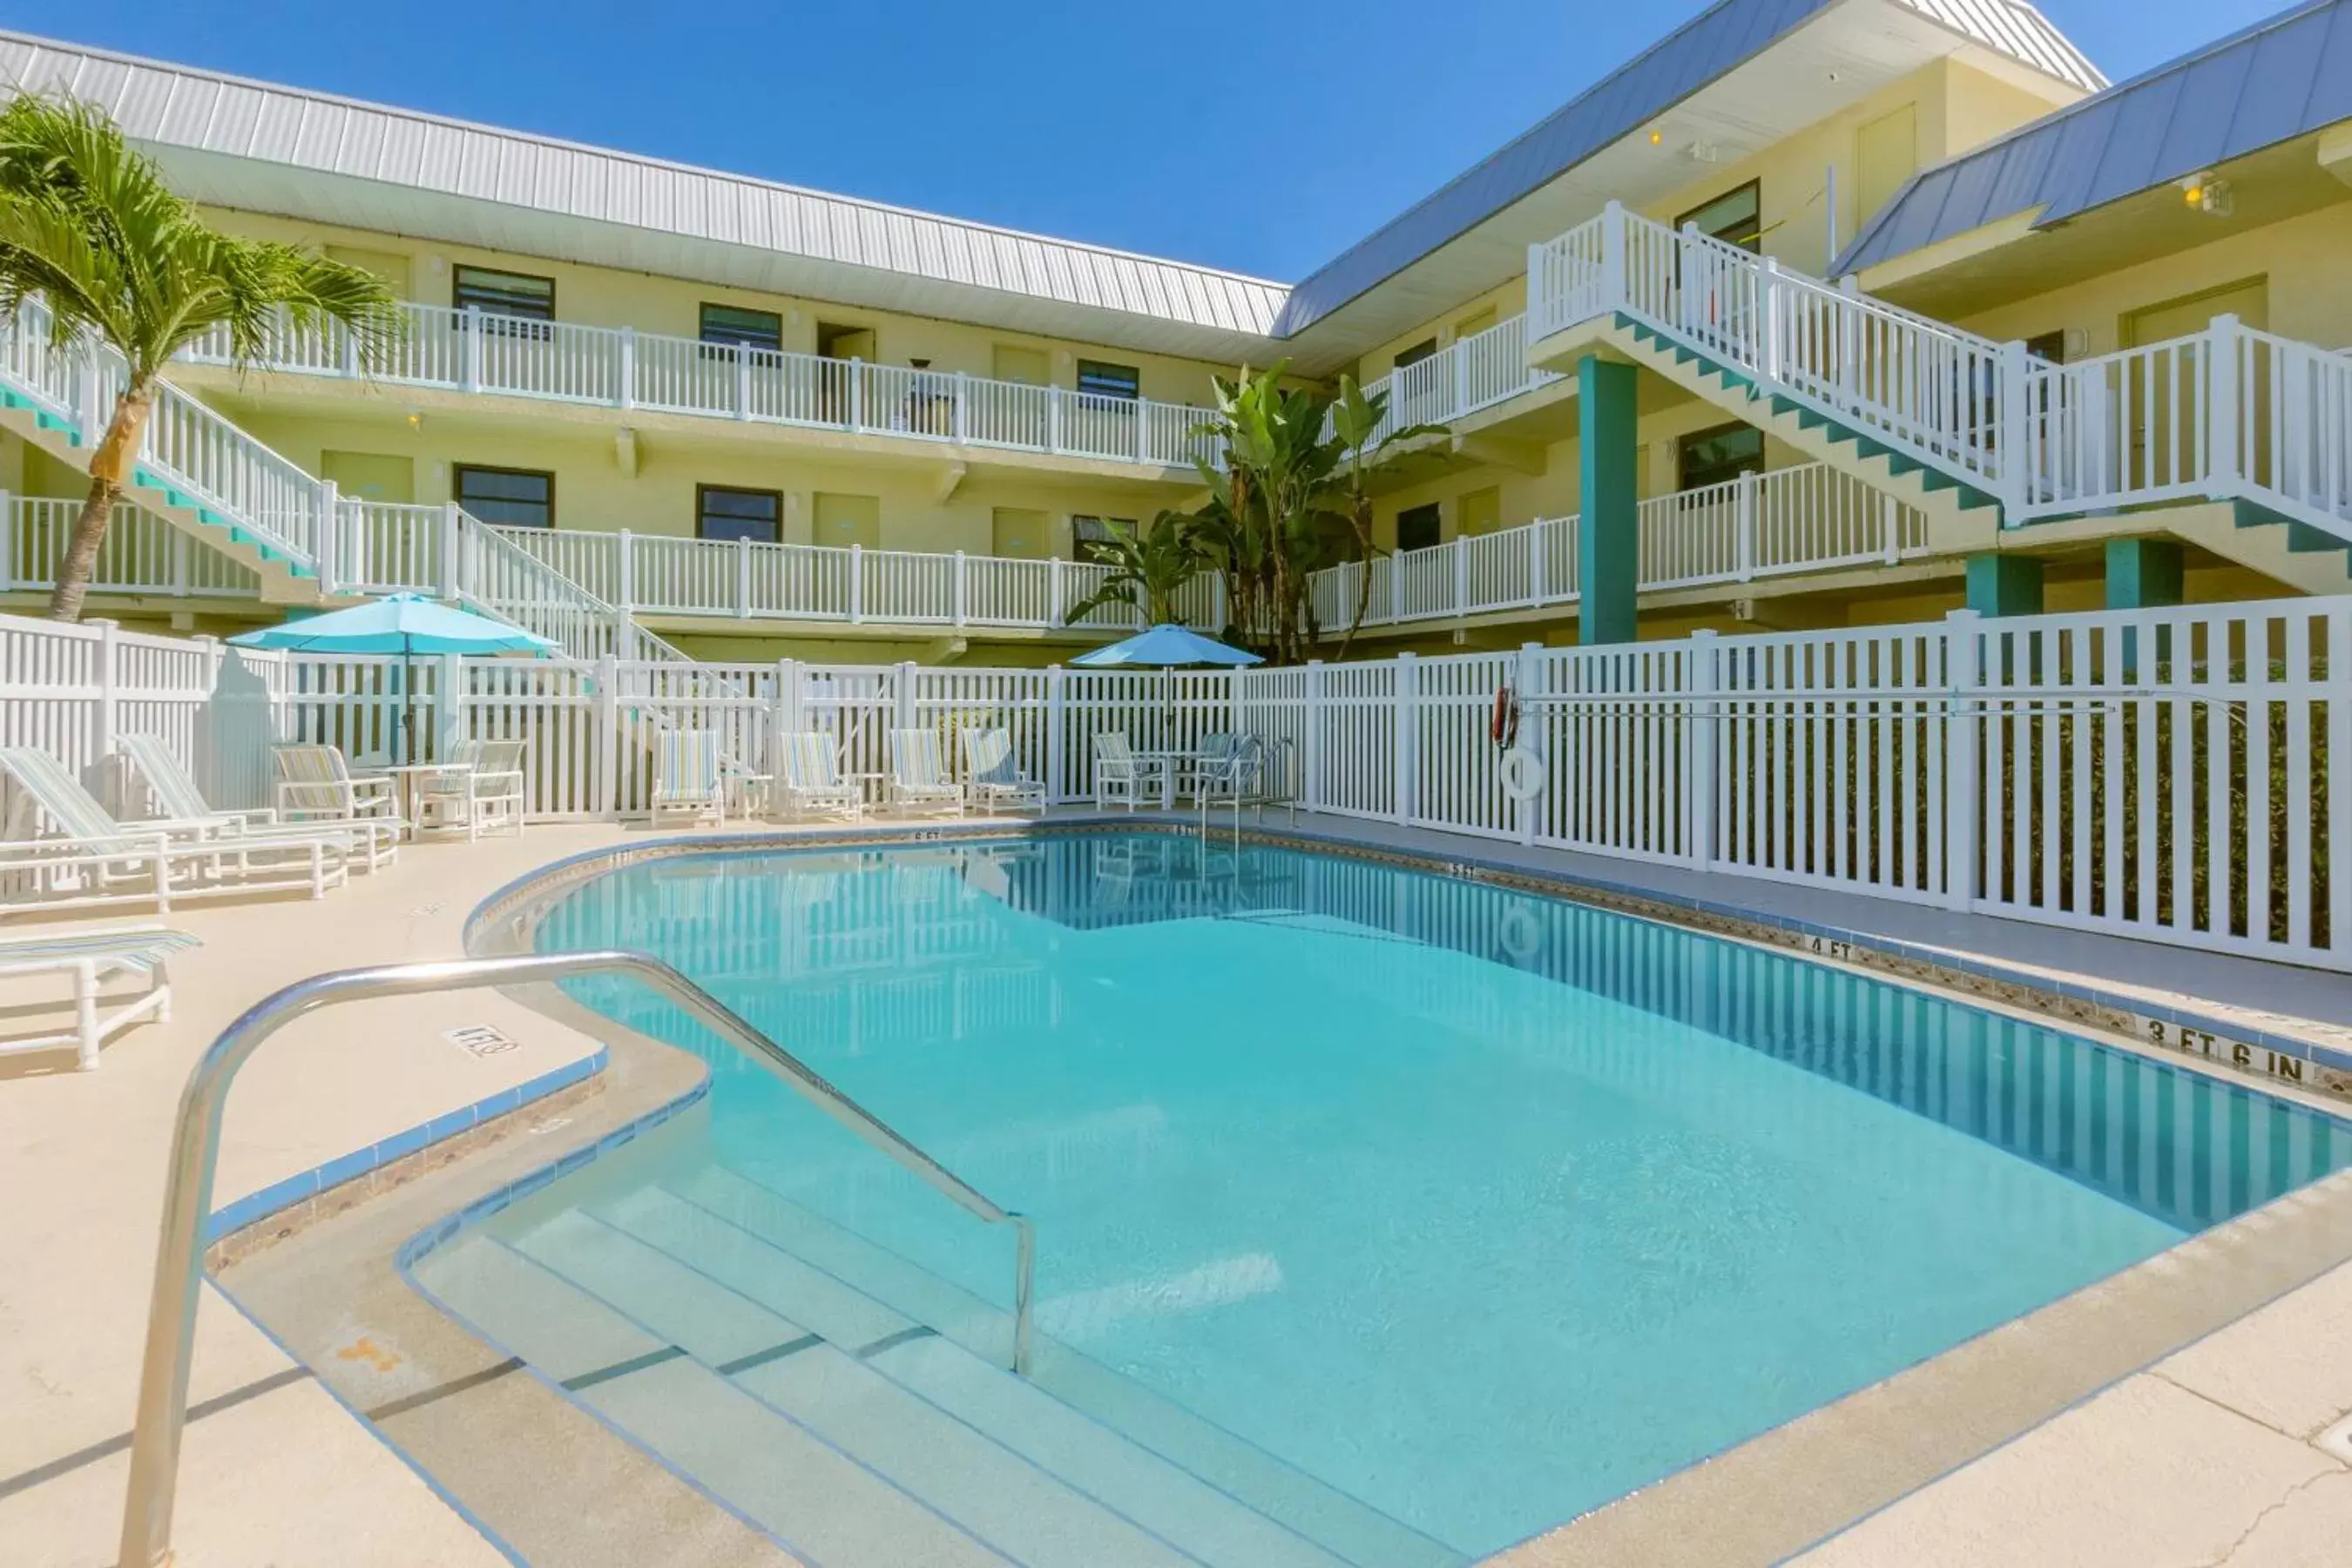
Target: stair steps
[{"x": 830, "y": 1392}]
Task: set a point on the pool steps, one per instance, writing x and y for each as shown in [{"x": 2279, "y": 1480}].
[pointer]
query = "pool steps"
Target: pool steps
[{"x": 856, "y": 1405}]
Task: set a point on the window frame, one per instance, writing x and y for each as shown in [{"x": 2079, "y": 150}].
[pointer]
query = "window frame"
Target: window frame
[
  {"x": 1754, "y": 242},
  {"x": 458, "y": 472},
  {"x": 1435, "y": 512},
  {"x": 458, "y": 293},
  {"x": 1085, "y": 548},
  {"x": 1684, "y": 443},
  {"x": 1133, "y": 386},
  {"x": 1425, "y": 350},
  {"x": 703, "y": 328},
  {"x": 703, "y": 493}
]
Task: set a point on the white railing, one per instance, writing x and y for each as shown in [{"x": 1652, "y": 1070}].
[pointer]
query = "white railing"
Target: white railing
[
  {"x": 618, "y": 367},
  {"x": 1809, "y": 517},
  {"x": 2163, "y": 775},
  {"x": 2226, "y": 414},
  {"x": 141, "y": 553},
  {"x": 1466, "y": 375}
]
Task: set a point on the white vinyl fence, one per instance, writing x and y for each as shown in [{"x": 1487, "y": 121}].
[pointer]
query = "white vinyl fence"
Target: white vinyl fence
[{"x": 2168, "y": 774}]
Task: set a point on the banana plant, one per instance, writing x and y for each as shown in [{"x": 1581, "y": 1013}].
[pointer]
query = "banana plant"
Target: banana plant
[
  {"x": 1149, "y": 567},
  {"x": 1356, "y": 418}
]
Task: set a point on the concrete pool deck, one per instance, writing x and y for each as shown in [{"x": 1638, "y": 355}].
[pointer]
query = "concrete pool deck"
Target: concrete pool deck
[{"x": 2209, "y": 1455}]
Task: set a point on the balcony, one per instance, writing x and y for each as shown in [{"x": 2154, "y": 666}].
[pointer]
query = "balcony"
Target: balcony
[
  {"x": 623, "y": 368},
  {"x": 1465, "y": 377}
]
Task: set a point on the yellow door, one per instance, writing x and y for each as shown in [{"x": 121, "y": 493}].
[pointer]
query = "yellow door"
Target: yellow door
[
  {"x": 1482, "y": 510},
  {"x": 2162, "y": 421},
  {"x": 1471, "y": 325},
  {"x": 844, "y": 520},
  {"x": 1012, "y": 362},
  {"x": 371, "y": 476},
  {"x": 1020, "y": 533},
  {"x": 388, "y": 265}
]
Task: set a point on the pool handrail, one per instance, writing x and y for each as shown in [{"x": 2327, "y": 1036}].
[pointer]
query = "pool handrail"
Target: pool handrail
[{"x": 196, "y": 1148}]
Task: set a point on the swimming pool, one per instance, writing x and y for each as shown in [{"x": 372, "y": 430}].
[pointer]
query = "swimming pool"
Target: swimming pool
[{"x": 1480, "y": 1207}]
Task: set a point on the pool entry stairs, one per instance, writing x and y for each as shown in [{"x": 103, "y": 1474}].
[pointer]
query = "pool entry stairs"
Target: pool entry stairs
[{"x": 859, "y": 1409}]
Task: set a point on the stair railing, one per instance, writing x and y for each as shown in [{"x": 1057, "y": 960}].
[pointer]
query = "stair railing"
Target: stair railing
[{"x": 195, "y": 1149}]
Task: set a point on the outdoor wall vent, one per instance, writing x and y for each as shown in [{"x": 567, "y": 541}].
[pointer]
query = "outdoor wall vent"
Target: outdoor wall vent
[{"x": 1703, "y": 152}]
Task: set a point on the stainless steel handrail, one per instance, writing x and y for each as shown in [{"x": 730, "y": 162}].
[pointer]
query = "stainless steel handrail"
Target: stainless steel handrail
[{"x": 195, "y": 1149}]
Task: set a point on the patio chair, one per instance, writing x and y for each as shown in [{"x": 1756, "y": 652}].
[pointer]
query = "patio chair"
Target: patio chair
[
  {"x": 1253, "y": 776},
  {"x": 369, "y": 842},
  {"x": 314, "y": 783},
  {"x": 919, "y": 775},
  {"x": 809, "y": 781},
  {"x": 993, "y": 778},
  {"x": 688, "y": 778},
  {"x": 93, "y": 860},
  {"x": 482, "y": 788},
  {"x": 1210, "y": 761},
  {"x": 90, "y": 960},
  {"x": 1121, "y": 775}
]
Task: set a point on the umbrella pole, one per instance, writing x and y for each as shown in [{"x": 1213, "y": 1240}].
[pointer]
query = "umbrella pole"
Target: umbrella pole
[{"x": 408, "y": 704}]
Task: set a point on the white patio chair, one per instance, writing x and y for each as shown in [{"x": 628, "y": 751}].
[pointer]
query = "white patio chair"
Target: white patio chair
[
  {"x": 370, "y": 841},
  {"x": 688, "y": 778},
  {"x": 991, "y": 778},
  {"x": 1211, "y": 762},
  {"x": 809, "y": 781},
  {"x": 90, "y": 960},
  {"x": 90, "y": 859},
  {"x": 1121, "y": 775},
  {"x": 315, "y": 783},
  {"x": 919, "y": 775},
  {"x": 482, "y": 789}
]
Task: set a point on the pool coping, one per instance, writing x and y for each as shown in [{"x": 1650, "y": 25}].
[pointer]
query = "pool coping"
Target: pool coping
[{"x": 1890, "y": 1438}]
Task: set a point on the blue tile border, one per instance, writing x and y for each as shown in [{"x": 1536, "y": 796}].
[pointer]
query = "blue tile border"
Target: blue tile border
[
  {"x": 255, "y": 1208},
  {"x": 2216, "y": 1036}
]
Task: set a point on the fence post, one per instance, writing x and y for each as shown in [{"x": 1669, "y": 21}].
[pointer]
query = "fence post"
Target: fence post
[
  {"x": 472, "y": 370},
  {"x": 791, "y": 717},
  {"x": 857, "y": 582},
  {"x": 906, "y": 694},
  {"x": 624, "y": 573},
  {"x": 2012, "y": 401},
  {"x": 856, "y": 394},
  {"x": 9, "y": 542},
  {"x": 1964, "y": 784},
  {"x": 1310, "y": 727},
  {"x": 1461, "y": 575},
  {"x": 109, "y": 700},
  {"x": 1890, "y": 527},
  {"x": 742, "y": 577},
  {"x": 2222, "y": 419},
  {"x": 1056, "y": 593},
  {"x": 1408, "y": 733},
  {"x": 92, "y": 416},
  {"x": 962, "y": 605},
  {"x": 1744, "y": 534},
  {"x": 1535, "y": 562},
  {"x": 449, "y": 707},
  {"x": 180, "y": 579},
  {"x": 1767, "y": 301},
  {"x": 607, "y": 733},
  {"x": 1056, "y": 707},
  {"x": 452, "y": 537},
  {"x": 1706, "y": 679},
  {"x": 1396, "y": 585},
  {"x": 1538, "y": 315},
  {"x": 1612, "y": 256},
  {"x": 325, "y": 551},
  {"x": 1052, "y": 419},
  {"x": 1531, "y": 732},
  {"x": 742, "y": 381},
  {"x": 1217, "y": 607},
  {"x": 628, "y": 367}
]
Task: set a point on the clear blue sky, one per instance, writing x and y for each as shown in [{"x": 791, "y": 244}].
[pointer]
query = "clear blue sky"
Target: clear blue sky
[{"x": 1197, "y": 131}]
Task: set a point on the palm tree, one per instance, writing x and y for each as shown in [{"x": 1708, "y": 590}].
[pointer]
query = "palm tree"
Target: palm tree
[
  {"x": 89, "y": 226},
  {"x": 1148, "y": 569}
]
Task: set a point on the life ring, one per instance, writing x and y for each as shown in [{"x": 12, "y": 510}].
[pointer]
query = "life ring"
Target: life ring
[
  {"x": 1503, "y": 727},
  {"x": 1522, "y": 774},
  {"x": 1519, "y": 934}
]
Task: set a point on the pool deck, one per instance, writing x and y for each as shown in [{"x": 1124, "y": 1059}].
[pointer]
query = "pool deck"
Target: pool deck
[{"x": 2215, "y": 1454}]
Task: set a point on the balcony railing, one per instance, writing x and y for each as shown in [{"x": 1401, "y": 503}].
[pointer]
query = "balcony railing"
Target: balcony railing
[
  {"x": 1810, "y": 517},
  {"x": 618, "y": 367},
  {"x": 142, "y": 553},
  {"x": 1466, "y": 375}
]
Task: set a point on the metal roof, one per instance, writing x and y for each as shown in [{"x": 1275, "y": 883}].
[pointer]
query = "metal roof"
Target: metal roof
[
  {"x": 2270, "y": 83},
  {"x": 1701, "y": 51},
  {"x": 202, "y": 116}
]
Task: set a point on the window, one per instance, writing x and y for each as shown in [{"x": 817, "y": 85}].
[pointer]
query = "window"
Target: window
[
  {"x": 2050, "y": 346},
  {"x": 1417, "y": 527},
  {"x": 1415, "y": 354},
  {"x": 733, "y": 324},
  {"x": 730, "y": 515},
  {"x": 1711, "y": 456},
  {"x": 1097, "y": 379},
  {"x": 1735, "y": 217},
  {"x": 504, "y": 294},
  {"x": 512, "y": 497},
  {"x": 1090, "y": 536}
]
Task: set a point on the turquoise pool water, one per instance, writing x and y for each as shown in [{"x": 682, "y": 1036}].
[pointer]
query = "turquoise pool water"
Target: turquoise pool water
[{"x": 1484, "y": 1207}]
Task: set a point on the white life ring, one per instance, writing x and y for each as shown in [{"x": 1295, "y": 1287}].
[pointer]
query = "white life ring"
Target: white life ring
[{"x": 1522, "y": 774}]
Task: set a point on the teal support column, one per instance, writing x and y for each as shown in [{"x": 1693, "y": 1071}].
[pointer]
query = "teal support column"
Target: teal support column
[
  {"x": 2004, "y": 585},
  {"x": 2143, "y": 573},
  {"x": 1608, "y": 531}
]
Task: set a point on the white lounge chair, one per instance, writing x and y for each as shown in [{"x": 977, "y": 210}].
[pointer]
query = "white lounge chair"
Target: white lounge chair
[
  {"x": 809, "y": 781},
  {"x": 90, "y": 959},
  {"x": 688, "y": 778},
  {"x": 91, "y": 859},
  {"x": 919, "y": 775},
  {"x": 991, "y": 778},
  {"x": 315, "y": 783},
  {"x": 1121, "y": 775},
  {"x": 369, "y": 841},
  {"x": 482, "y": 788}
]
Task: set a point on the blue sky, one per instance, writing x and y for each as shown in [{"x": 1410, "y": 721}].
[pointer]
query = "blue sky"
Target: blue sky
[{"x": 1195, "y": 131}]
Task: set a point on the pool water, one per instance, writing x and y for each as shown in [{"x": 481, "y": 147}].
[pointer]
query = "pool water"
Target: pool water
[{"x": 1481, "y": 1207}]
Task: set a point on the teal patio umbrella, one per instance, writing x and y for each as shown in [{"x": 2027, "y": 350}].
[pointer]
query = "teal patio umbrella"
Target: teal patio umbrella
[
  {"x": 1166, "y": 647},
  {"x": 404, "y": 623}
]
